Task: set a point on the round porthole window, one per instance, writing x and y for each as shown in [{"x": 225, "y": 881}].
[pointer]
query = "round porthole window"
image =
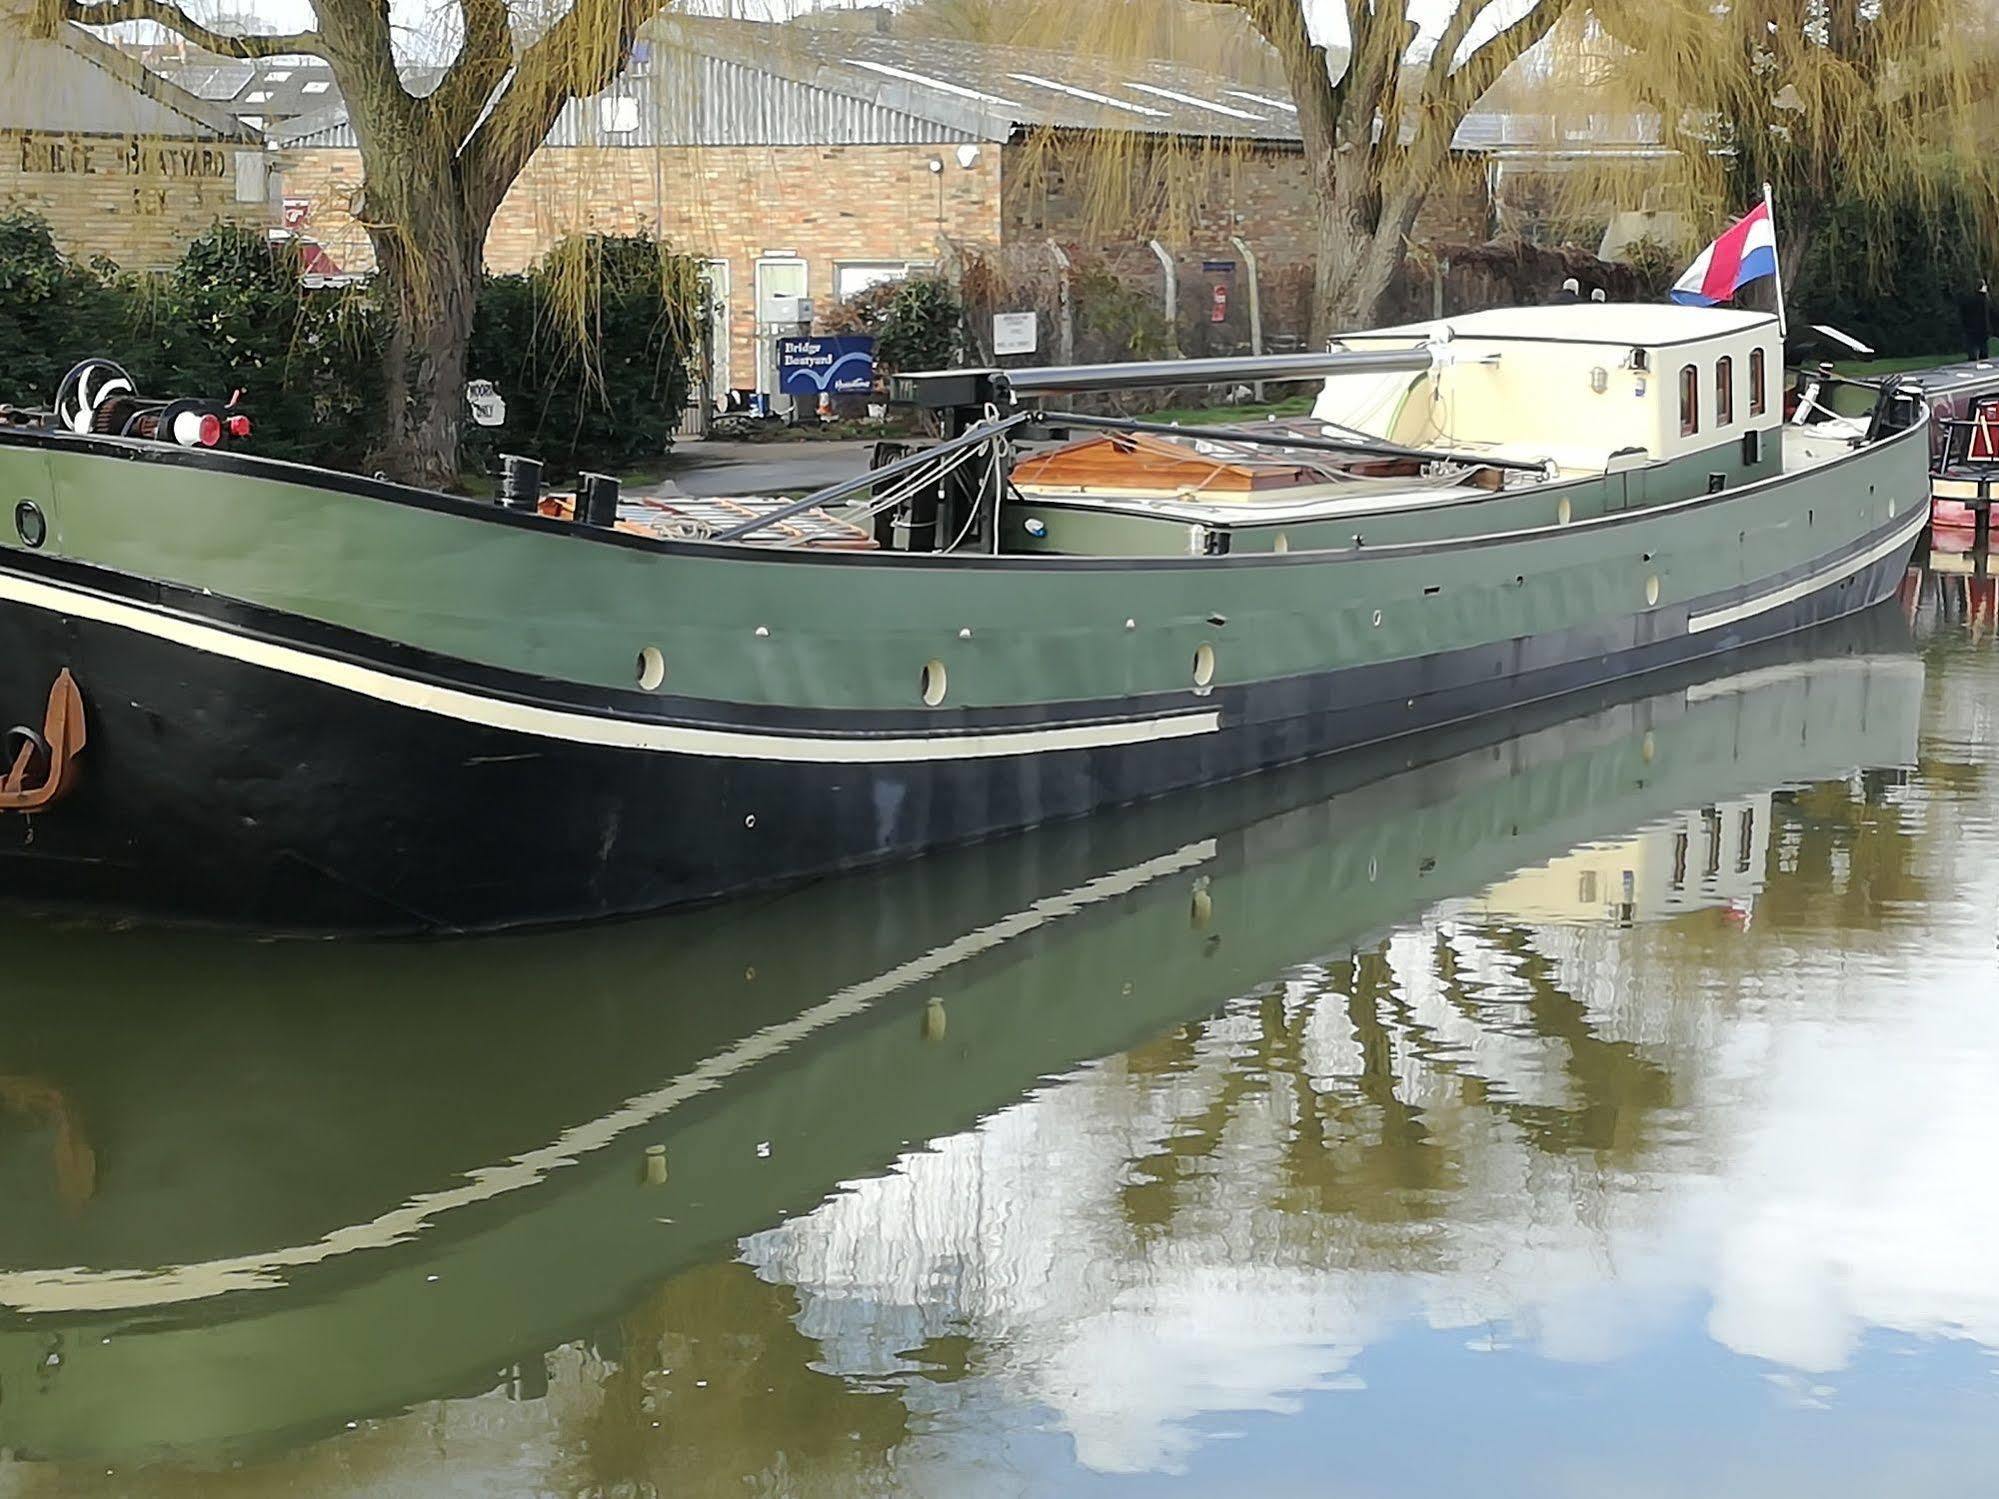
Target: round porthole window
[
  {"x": 1563, "y": 513},
  {"x": 1652, "y": 590},
  {"x": 651, "y": 668},
  {"x": 1281, "y": 544},
  {"x": 1204, "y": 665},
  {"x": 933, "y": 682},
  {"x": 30, "y": 524}
]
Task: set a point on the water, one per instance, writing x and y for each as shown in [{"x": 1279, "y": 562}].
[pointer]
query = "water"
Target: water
[{"x": 1603, "y": 1106}]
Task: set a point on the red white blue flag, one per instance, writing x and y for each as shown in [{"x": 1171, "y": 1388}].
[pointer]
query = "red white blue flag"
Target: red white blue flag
[{"x": 1746, "y": 252}]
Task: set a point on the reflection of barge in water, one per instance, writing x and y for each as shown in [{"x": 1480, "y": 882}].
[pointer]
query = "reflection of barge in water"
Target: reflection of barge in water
[
  {"x": 309, "y": 1211},
  {"x": 320, "y": 700}
]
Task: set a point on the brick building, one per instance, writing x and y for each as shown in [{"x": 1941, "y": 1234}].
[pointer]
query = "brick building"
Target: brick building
[
  {"x": 805, "y": 164},
  {"x": 120, "y": 162}
]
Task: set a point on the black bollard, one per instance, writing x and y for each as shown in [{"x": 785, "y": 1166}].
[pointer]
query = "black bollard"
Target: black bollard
[
  {"x": 520, "y": 482},
  {"x": 597, "y": 500}
]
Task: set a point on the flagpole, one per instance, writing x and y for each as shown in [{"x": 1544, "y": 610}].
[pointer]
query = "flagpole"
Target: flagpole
[{"x": 1776, "y": 258}]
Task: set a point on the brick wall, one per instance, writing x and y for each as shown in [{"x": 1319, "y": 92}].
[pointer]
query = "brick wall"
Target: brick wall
[
  {"x": 824, "y": 204},
  {"x": 136, "y": 199}
]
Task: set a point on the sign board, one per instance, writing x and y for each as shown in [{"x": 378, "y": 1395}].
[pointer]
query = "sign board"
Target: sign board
[
  {"x": 1015, "y": 333},
  {"x": 842, "y": 365},
  {"x": 1218, "y": 267},
  {"x": 488, "y": 406}
]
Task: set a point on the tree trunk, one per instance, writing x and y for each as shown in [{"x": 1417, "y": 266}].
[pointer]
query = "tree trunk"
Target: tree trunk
[
  {"x": 430, "y": 247},
  {"x": 431, "y": 292},
  {"x": 1361, "y": 242}
]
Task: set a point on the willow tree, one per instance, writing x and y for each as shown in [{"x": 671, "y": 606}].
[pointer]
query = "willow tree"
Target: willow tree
[
  {"x": 1878, "y": 105},
  {"x": 435, "y": 166},
  {"x": 1379, "y": 102}
]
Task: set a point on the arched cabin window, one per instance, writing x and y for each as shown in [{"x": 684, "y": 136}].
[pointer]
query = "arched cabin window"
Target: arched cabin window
[
  {"x": 1690, "y": 400},
  {"x": 1724, "y": 391},
  {"x": 1759, "y": 399}
]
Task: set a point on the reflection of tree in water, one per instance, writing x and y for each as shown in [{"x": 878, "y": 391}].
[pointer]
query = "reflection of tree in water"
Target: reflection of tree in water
[
  {"x": 1850, "y": 853},
  {"x": 712, "y": 1389},
  {"x": 1361, "y": 1146}
]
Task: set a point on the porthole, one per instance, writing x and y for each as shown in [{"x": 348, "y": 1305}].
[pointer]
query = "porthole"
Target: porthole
[
  {"x": 1563, "y": 512},
  {"x": 30, "y": 524},
  {"x": 651, "y": 668},
  {"x": 933, "y": 683},
  {"x": 1281, "y": 544},
  {"x": 1652, "y": 590},
  {"x": 1377, "y": 619},
  {"x": 1204, "y": 665}
]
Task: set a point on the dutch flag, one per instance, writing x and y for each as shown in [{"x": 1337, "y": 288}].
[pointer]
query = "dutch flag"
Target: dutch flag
[{"x": 1746, "y": 251}]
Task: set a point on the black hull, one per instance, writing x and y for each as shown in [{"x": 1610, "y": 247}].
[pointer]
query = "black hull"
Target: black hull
[{"x": 216, "y": 790}]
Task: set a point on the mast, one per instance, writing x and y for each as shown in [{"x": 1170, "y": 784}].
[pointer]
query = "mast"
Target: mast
[{"x": 1776, "y": 259}]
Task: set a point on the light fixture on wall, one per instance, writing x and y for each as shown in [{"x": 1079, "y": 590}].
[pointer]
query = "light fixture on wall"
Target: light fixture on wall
[
  {"x": 968, "y": 156},
  {"x": 936, "y": 164}
]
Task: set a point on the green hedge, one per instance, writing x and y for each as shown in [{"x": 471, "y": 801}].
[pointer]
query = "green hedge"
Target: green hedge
[{"x": 589, "y": 348}]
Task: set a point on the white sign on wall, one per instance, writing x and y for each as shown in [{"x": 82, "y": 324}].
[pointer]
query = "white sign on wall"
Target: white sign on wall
[{"x": 1014, "y": 332}]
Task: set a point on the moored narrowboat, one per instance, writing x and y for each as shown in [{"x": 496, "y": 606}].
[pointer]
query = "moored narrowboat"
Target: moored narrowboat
[
  {"x": 294, "y": 698},
  {"x": 1963, "y": 402}
]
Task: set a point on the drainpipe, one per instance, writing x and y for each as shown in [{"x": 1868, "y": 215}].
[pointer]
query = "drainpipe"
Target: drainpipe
[
  {"x": 1065, "y": 306},
  {"x": 1172, "y": 294},
  {"x": 1255, "y": 303}
]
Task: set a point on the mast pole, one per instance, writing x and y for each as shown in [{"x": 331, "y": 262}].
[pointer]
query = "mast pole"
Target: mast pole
[{"x": 1777, "y": 259}]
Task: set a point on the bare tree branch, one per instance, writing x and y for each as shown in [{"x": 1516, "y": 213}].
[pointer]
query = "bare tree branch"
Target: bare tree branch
[
  {"x": 1453, "y": 37},
  {"x": 574, "y": 59},
  {"x": 1470, "y": 83},
  {"x": 483, "y": 60},
  {"x": 173, "y": 18}
]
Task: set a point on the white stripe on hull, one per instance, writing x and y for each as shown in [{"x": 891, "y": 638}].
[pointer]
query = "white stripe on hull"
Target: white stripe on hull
[
  {"x": 1714, "y": 619},
  {"x": 588, "y": 728}
]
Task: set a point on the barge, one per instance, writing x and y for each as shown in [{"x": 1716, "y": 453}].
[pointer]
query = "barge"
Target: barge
[{"x": 278, "y": 696}]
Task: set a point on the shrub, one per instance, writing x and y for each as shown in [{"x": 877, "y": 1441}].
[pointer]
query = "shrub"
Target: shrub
[
  {"x": 52, "y": 313},
  {"x": 235, "y": 314},
  {"x": 918, "y": 323},
  {"x": 590, "y": 349}
]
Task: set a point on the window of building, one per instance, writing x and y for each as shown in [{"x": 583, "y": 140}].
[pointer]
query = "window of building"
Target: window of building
[
  {"x": 1690, "y": 400},
  {"x": 1759, "y": 399},
  {"x": 854, "y": 276},
  {"x": 1724, "y": 391}
]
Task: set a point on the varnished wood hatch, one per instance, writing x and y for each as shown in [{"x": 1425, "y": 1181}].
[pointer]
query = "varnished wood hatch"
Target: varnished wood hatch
[{"x": 1141, "y": 462}]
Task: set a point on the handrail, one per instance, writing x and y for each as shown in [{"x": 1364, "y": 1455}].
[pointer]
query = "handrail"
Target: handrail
[
  {"x": 970, "y": 437},
  {"x": 1291, "y": 440}
]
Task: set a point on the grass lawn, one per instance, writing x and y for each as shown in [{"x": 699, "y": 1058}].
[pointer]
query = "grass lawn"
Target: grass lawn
[
  {"x": 1249, "y": 411},
  {"x": 1873, "y": 369}
]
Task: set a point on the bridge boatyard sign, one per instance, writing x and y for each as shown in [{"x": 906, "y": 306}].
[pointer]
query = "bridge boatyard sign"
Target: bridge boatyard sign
[
  {"x": 842, "y": 365},
  {"x": 123, "y": 156}
]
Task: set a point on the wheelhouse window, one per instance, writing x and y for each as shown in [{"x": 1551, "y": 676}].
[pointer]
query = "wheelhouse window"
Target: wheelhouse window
[
  {"x": 1690, "y": 400},
  {"x": 1759, "y": 399},
  {"x": 1724, "y": 391}
]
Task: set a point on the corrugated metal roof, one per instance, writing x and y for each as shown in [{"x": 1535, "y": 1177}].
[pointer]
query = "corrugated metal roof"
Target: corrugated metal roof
[{"x": 703, "y": 82}]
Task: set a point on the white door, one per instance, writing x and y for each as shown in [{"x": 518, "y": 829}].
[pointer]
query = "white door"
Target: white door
[
  {"x": 781, "y": 284},
  {"x": 715, "y": 277}
]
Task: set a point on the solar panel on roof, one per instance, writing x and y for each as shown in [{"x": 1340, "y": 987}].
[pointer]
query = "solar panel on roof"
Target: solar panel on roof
[
  {"x": 1094, "y": 97},
  {"x": 1179, "y": 98}
]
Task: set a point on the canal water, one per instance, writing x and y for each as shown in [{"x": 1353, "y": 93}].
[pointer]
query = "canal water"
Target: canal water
[{"x": 1600, "y": 1102}]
